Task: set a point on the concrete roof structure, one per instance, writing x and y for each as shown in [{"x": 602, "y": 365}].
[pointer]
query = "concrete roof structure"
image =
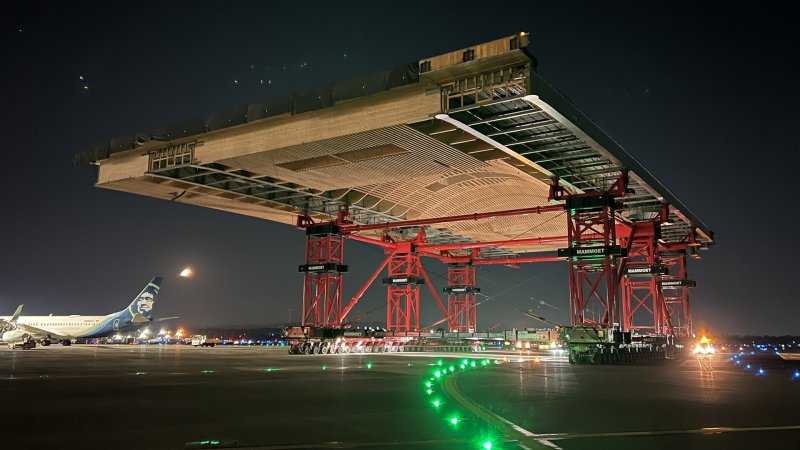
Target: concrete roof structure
[{"x": 474, "y": 130}]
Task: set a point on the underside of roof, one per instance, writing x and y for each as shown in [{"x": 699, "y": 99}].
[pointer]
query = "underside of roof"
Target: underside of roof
[{"x": 476, "y": 130}]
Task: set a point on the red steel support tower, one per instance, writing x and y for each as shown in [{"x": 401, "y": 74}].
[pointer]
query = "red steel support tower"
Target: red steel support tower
[
  {"x": 461, "y": 302},
  {"x": 675, "y": 292},
  {"x": 322, "y": 291},
  {"x": 643, "y": 308},
  {"x": 405, "y": 276},
  {"x": 592, "y": 252},
  {"x": 593, "y": 293}
]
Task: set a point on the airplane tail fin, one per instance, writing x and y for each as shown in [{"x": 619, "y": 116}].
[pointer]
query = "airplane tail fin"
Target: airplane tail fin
[
  {"x": 142, "y": 305},
  {"x": 17, "y": 313}
]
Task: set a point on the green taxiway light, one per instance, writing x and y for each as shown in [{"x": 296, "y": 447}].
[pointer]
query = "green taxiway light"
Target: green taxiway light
[
  {"x": 452, "y": 368},
  {"x": 487, "y": 445},
  {"x": 429, "y": 391},
  {"x": 454, "y": 421},
  {"x": 439, "y": 362},
  {"x": 428, "y": 384},
  {"x": 324, "y": 367},
  {"x": 472, "y": 364},
  {"x": 462, "y": 366},
  {"x": 369, "y": 365},
  {"x": 437, "y": 403},
  {"x": 465, "y": 361},
  {"x": 140, "y": 373},
  {"x": 207, "y": 371},
  {"x": 438, "y": 374}
]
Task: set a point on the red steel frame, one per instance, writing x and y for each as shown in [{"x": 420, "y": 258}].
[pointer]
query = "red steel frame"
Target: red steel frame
[
  {"x": 593, "y": 293},
  {"x": 676, "y": 299},
  {"x": 322, "y": 291},
  {"x": 402, "y": 313},
  {"x": 643, "y": 308},
  {"x": 461, "y": 306},
  {"x": 594, "y": 282}
]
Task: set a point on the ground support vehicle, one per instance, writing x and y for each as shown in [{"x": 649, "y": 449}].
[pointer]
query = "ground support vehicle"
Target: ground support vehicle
[{"x": 595, "y": 345}]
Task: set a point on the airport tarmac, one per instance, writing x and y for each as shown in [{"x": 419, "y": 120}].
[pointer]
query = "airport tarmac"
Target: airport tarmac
[{"x": 162, "y": 397}]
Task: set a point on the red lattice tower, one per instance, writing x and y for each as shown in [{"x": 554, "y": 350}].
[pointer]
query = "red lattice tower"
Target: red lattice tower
[
  {"x": 322, "y": 288},
  {"x": 643, "y": 308},
  {"x": 461, "y": 299},
  {"x": 404, "y": 278},
  {"x": 675, "y": 292}
]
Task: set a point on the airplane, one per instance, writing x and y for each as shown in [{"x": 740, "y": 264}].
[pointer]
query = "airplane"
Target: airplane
[
  {"x": 10, "y": 324},
  {"x": 27, "y": 331}
]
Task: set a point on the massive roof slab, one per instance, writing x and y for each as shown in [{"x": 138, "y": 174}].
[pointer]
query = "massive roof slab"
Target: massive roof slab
[{"x": 474, "y": 130}]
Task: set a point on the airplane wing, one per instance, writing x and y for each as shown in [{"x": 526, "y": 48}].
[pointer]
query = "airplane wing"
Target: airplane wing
[{"x": 38, "y": 333}]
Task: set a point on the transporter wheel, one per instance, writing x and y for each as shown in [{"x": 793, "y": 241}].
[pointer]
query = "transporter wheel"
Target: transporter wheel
[
  {"x": 46, "y": 343},
  {"x": 367, "y": 349},
  {"x": 338, "y": 349},
  {"x": 325, "y": 348},
  {"x": 401, "y": 348},
  {"x": 66, "y": 343},
  {"x": 306, "y": 349},
  {"x": 317, "y": 349}
]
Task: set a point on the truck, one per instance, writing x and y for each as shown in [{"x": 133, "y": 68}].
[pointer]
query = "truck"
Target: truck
[{"x": 200, "y": 340}]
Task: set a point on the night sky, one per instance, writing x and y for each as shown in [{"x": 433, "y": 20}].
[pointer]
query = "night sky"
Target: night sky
[{"x": 704, "y": 96}]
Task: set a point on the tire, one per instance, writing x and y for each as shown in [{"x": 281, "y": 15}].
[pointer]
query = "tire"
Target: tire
[
  {"x": 66, "y": 343},
  {"x": 46, "y": 343},
  {"x": 317, "y": 349},
  {"x": 367, "y": 349}
]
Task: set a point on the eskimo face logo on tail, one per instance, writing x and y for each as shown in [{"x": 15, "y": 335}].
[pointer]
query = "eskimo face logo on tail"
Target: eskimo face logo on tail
[{"x": 144, "y": 304}]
